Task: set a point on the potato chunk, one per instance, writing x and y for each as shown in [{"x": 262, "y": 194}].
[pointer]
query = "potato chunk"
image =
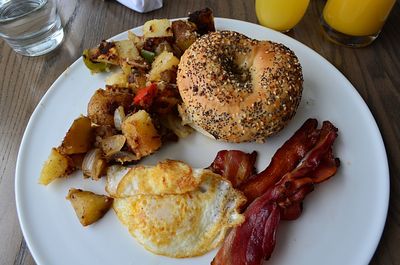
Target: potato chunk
[
  {"x": 57, "y": 165},
  {"x": 137, "y": 40},
  {"x": 89, "y": 207},
  {"x": 127, "y": 50},
  {"x": 141, "y": 135},
  {"x": 103, "y": 103},
  {"x": 119, "y": 79},
  {"x": 79, "y": 138},
  {"x": 204, "y": 20},
  {"x": 185, "y": 33},
  {"x": 164, "y": 61},
  {"x": 157, "y": 28}
]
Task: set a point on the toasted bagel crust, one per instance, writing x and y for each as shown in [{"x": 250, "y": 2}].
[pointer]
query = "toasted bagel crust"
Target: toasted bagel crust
[{"x": 237, "y": 89}]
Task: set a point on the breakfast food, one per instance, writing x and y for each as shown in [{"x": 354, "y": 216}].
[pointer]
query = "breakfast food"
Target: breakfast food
[
  {"x": 56, "y": 166},
  {"x": 167, "y": 177},
  {"x": 186, "y": 215},
  {"x": 234, "y": 89},
  {"x": 89, "y": 207},
  {"x": 177, "y": 211},
  {"x": 234, "y": 165},
  {"x": 141, "y": 135},
  {"x": 282, "y": 198},
  {"x": 284, "y": 160},
  {"x": 137, "y": 112},
  {"x": 237, "y": 89}
]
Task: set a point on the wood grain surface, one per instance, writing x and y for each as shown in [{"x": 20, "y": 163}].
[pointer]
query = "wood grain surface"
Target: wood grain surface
[{"x": 374, "y": 71}]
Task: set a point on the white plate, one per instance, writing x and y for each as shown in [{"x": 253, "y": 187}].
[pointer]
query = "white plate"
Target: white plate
[{"x": 342, "y": 220}]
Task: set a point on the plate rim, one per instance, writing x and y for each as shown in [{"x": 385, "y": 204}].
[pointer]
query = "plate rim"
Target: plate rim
[{"x": 34, "y": 116}]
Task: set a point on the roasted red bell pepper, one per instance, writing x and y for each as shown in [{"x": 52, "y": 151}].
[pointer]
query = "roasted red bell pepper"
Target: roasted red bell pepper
[{"x": 144, "y": 97}]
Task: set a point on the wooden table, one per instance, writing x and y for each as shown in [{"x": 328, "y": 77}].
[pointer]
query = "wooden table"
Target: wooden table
[{"x": 374, "y": 71}]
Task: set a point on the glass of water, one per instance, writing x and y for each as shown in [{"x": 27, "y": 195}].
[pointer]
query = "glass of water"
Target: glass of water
[{"x": 30, "y": 27}]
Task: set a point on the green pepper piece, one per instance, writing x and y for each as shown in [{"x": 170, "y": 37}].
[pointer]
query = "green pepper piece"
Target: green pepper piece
[
  {"x": 94, "y": 67},
  {"x": 148, "y": 55}
]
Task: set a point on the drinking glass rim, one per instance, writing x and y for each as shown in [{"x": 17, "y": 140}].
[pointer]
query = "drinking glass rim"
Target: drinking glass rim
[{"x": 2, "y": 20}]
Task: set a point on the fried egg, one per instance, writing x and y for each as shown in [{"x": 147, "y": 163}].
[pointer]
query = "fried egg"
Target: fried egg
[
  {"x": 178, "y": 224},
  {"x": 167, "y": 177}
]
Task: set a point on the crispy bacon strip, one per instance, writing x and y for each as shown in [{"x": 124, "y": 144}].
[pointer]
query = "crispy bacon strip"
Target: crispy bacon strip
[
  {"x": 293, "y": 212},
  {"x": 326, "y": 169},
  {"x": 253, "y": 241},
  {"x": 234, "y": 165},
  {"x": 296, "y": 184},
  {"x": 246, "y": 243},
  {"x": 284, "y": 160}
]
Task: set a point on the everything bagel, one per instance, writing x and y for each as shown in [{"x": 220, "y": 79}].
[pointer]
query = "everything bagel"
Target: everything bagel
[{"x": 237, "y": 89}]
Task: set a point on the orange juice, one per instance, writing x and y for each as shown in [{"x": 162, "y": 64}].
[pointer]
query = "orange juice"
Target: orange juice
[
  {"x": 280, "y": 15},
  {"x": 357, "y": 17}
]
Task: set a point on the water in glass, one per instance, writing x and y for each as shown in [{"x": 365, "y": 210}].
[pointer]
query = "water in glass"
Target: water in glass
[{"x": 30, "y": 27}]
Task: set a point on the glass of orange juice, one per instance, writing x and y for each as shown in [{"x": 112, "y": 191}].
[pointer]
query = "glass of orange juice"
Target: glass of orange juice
[
  {"x": 281, "y": 15},
  {"x": 355, "y": 23}
]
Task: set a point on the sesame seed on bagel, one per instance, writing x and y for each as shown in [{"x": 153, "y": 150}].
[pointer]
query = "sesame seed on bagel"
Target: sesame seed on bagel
[{"x": 238, "y": 89}]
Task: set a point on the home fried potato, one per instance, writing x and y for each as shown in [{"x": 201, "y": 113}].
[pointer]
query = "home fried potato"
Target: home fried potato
[
  {"x": 204, "y": 20},
  {"x": 79, "y": 138},
  {"x": 157, "y": 28},
  {"x": 138, "y": 41},
  {"x": 141, "y": 135},
  {"x": 56, "y": 166},
  {"x": 103, "y": 103},
  {"x": 127, "y": 50},
  {"x": 137, "y": 78},
  {"x": 118, "y": 79},
  {"x": 89, "y": 207},
  {"x": 185, "y": 33},
  {"x": 163, "y": 62}
]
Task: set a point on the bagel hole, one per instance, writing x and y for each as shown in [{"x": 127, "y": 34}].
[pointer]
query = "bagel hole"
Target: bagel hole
[{"x": 241, "y": 75}]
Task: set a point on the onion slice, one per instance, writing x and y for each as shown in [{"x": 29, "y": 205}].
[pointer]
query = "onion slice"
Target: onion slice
[
  {"x": 93, "y": 165},
  {"x": 119, "y": 117},
  {"x": 174, "y": 123},
  {"x": 112, "y": 144},
  {"x": 124, "y": 157}
]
